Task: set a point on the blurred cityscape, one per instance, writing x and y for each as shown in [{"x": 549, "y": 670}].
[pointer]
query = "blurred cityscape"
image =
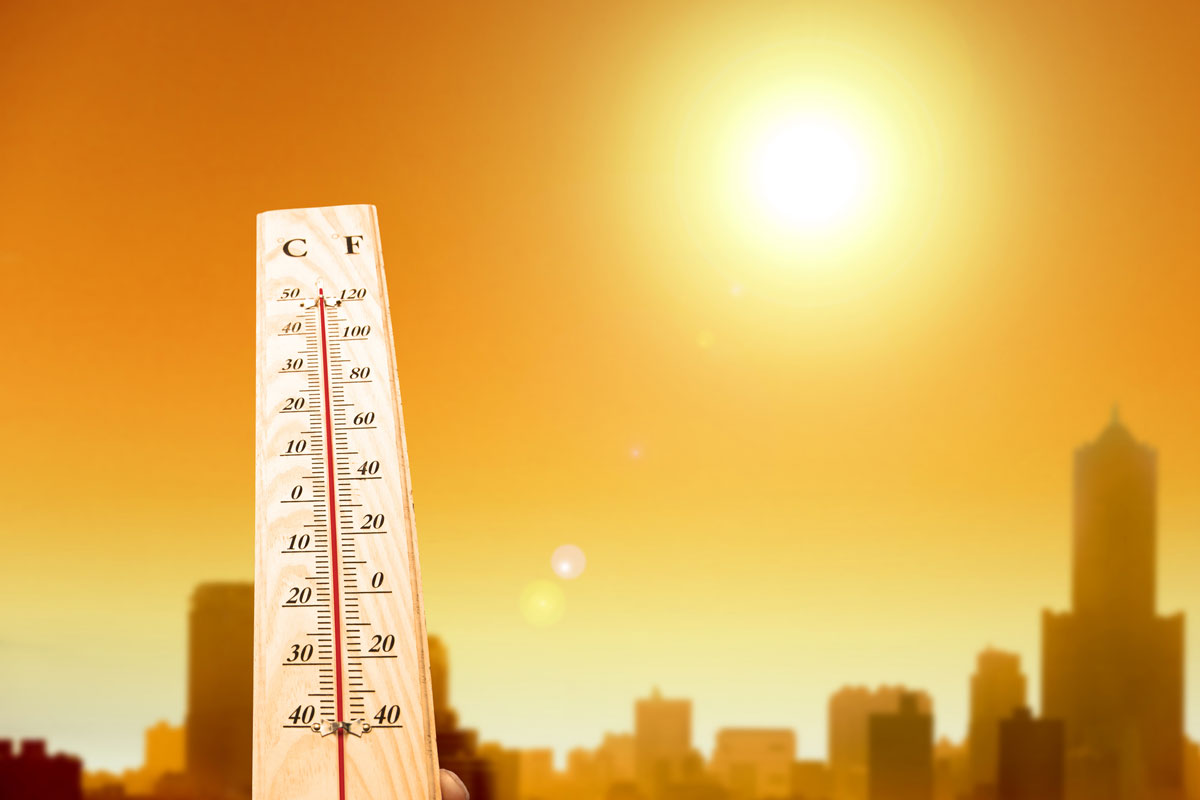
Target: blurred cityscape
[{"x": 1111, "y": 723}]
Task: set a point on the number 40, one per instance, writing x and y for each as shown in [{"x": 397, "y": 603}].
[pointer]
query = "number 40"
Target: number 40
[{"x": 388, "y": 715}]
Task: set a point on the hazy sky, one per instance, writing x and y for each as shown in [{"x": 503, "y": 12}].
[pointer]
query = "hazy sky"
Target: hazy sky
[{"x": 860, "y": 484}]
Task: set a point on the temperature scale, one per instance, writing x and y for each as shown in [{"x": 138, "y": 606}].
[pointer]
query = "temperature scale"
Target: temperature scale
[{"x": 342, "y": 701}]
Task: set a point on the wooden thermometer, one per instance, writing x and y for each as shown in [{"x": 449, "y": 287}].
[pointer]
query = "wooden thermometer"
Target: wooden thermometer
[{"x": 342, "y": 702}]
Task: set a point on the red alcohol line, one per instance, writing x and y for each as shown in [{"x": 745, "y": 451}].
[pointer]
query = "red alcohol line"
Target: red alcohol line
[{"x": 335, "y": 578}]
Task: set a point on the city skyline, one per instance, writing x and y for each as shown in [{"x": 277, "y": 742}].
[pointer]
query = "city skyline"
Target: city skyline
[
  {"x": 781, "y": 486},
  {"x": 1113, "y": 578},
  {"x": 991, "y": 662}
]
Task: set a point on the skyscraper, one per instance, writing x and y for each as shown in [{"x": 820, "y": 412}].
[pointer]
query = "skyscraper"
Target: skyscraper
[
  {"x": 1112, "y": 668},
  {"x": 997, "y": 689},
  {"x": 165, "y": 748},
  {"x": 1030, "y": 761},
  {"x": 536, "y": 779},
  {"x": 504, "y": 764},
  {"x": 456, "y": 746},
  {"x": 850, "y": 709},
  {"x": 951, "y": 770},
  {"x": 617, "y": 759},
  {"x": 812, "y": 780},
  {"x": 900, "y": 753},
  {"x": 166, "y": 754},
  {"x": 220, "y": 702},
  {"x": 34, "y": 774},
  {"x": 662, "y": 742}
]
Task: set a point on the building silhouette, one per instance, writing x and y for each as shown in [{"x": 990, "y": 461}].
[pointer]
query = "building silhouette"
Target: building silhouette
[
  {"x": 456, "y": 746},
  {"x": 504, "y": 765},
  {"x": 951, "y": 770},
  {"x": 536, "y": 779},
  {"x": 625, "y": 790},
  {"x": 1191, "y": 770},
  {"x": 900, "y": 753},
  {"x": 220, "y": 689},
  {"x": 694, "y": 782},
  {"x": 165, "y": 759},
  {"x": 696, "y": 787},
  {"x": 812, "y": 780},
  {"x": 997, "y": 689},
  {"x": 585, "y": 778},
  {"x": 755, "y": 763},
  {"x": 1112, "y": 668},
  {"x": 616, "y": 756},
  {"x": 662, "y": 743},
  {"x": 166, "y": 749},
  {"x": 32, "y": 774},
  {"x": 1031, "y": 758},
  {"x": 850, "y": 709},
  {"x": 1112, "y": 699}
]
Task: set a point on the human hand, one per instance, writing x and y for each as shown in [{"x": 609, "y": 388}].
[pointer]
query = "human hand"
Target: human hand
[{"x": 453, "y": 787}]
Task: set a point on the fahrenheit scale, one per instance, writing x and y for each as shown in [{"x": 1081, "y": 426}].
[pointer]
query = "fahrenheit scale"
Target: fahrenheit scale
[{"x": 342, "y": 702}]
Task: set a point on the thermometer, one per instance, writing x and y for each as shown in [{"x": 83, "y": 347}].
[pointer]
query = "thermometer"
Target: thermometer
[{"x": 342, "y": 702}]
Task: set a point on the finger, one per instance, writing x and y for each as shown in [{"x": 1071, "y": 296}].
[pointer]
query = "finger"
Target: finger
[{"x": 452, "y": 787}]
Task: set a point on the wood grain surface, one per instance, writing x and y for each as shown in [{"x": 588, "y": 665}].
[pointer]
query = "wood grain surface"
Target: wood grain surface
[{"x": 339, "y": 624}]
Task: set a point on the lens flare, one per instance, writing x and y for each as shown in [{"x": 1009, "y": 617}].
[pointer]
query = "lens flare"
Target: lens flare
[
  {"x": 568, "y": 562},
  {"x": 543, "y": 603}
]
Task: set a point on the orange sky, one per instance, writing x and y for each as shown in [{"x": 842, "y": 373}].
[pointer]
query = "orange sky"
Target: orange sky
[{"x": 865, "y": 491}]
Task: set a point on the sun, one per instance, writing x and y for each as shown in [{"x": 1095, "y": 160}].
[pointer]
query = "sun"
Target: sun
[{"x": 807, "y": 173}]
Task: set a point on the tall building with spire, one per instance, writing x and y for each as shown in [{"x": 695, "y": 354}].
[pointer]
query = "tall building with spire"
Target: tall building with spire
[{"x": 1112, "y": 668}]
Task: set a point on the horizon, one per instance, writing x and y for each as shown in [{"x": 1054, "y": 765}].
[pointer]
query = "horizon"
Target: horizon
[{"x": 704, "y": 742}]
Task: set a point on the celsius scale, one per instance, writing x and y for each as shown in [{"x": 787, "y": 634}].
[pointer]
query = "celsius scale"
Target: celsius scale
[{"x": 342, "y": 702}]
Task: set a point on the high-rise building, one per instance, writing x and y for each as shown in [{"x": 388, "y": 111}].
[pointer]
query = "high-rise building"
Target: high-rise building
[
  {"x": 951, "y": 771},
  {"x": 535, "y": 774},
  {"x": 755, "y": 763},
  {"x": 616, "y": 758},
  {"x": 33, "y": 774},
  {"x": 220, "y": 702},
  {"x": 444, "y": 716},
  {"x": 456, "y": 746},
  {"x": 592, "y": 773},
  {"x": 900, "y": 753},
  {"x": 584, "y": 779},
  {"x": 166, "y": 754},
  {"x": 1030, "y": 759},
  {"x": 662, "y": 742},
  {"x": 812, "y": 780},
  {"x": 504, "y": 764},
  {"x": 165, "y": 748},
  {"x": 997, "y": 689},
  {"x": 850, "y": 709},
  {"x": 1191, "y": 770},
  {"x": 1112, "y": 668}
]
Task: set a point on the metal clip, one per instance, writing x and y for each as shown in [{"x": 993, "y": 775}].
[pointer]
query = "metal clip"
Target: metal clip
[{"x": 355, "y": 727}]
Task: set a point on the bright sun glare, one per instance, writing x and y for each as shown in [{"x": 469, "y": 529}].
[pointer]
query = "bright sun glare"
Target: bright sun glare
[{"x": 808, "y": 173}]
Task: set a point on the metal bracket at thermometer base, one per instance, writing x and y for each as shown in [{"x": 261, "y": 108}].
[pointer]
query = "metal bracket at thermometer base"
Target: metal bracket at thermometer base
[{"x": 355, "y": 727}]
